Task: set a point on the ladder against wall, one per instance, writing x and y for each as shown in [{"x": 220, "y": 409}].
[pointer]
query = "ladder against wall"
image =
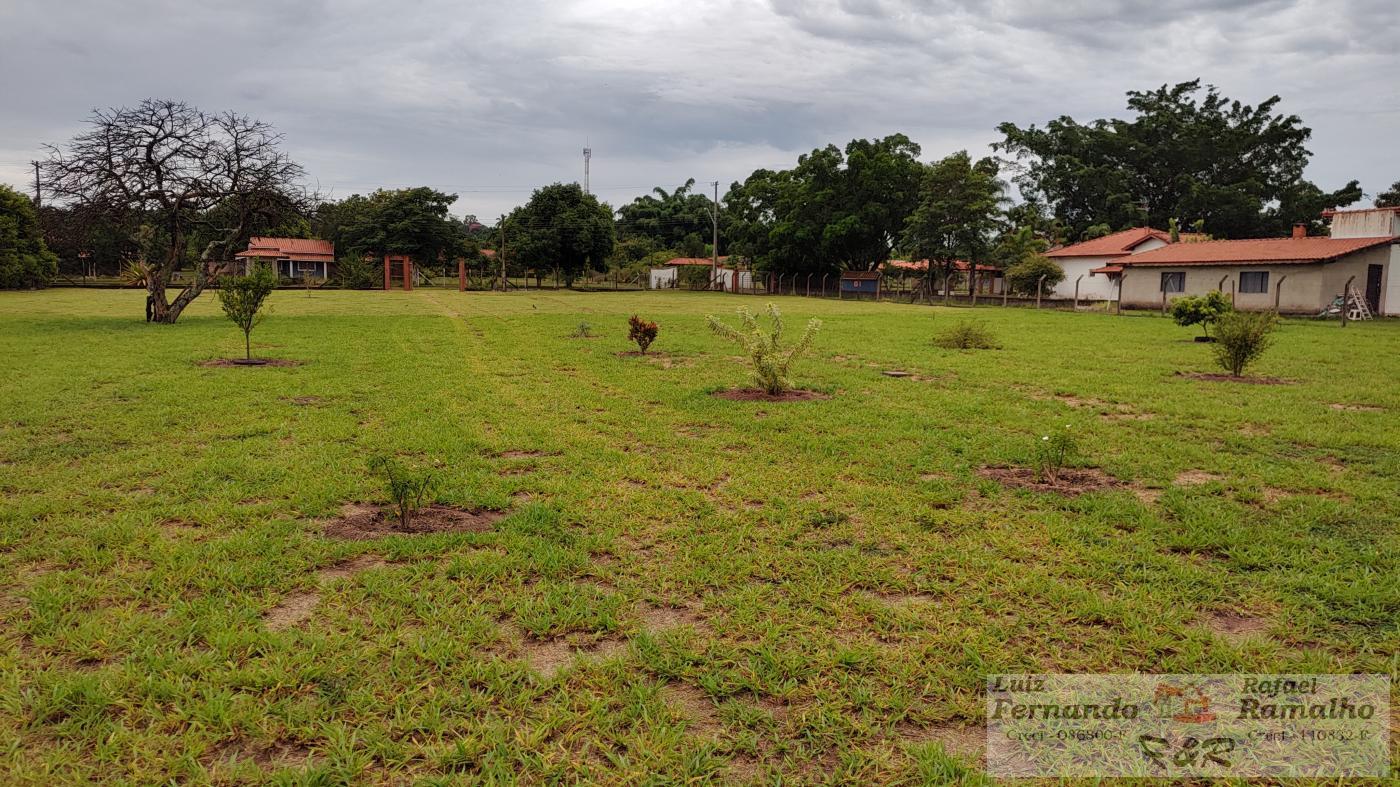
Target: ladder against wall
[{"x": 1356, "y": 305}]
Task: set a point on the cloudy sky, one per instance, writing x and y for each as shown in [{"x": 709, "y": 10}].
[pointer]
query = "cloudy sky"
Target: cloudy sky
[{"x": 490, "y": 99}]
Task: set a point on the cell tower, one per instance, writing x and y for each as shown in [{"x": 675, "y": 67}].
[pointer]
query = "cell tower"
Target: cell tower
[{"x": 587, "y": 154}]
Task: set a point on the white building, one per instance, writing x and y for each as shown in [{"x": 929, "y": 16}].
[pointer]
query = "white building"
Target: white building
[{"x": 1092, "y": 265}]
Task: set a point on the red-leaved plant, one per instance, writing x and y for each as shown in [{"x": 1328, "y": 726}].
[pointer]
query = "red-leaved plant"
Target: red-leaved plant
[{"x": 641, "y": 331}]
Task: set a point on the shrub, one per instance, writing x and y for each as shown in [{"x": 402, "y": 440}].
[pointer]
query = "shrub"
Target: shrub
[
  {"x": 583, "y": 331},
  {"x": 1202, "y": 310},
  {"x": 25, "y": 261},
  {"x": 357, "y": 273},
  {"x": 641, "y": 331},
  {"x": 967, "y": 336},
  {"x": 406, "y": 485},
  {"x": 1053, "y": 452},
  {"x": 1241, "y": 337},
  {"x": 1025, "y": 275},
  {"x": 770, "y": 360},
  {"x": 242, "y": 298}
]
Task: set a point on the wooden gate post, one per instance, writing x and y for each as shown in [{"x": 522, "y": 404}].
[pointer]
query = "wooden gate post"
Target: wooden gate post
[
  {"x": 407, "y": 274},
  {"x": 461, "y": 275},
  {"x": 388, "y": 275}
]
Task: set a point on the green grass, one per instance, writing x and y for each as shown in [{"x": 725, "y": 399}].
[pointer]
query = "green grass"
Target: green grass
[{"x": 801, "y": 591}]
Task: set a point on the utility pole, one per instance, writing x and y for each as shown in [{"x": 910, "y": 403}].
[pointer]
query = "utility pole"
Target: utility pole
[
  {"x": 587, "y": 156},
  {"x": 503, "y": 253},
  {"x": 38, "y": 198},
  {"x": 714, "y": 250}
]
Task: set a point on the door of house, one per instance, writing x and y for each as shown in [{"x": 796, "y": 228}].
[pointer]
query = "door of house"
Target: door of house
[{"x": 1373, "y": 288}]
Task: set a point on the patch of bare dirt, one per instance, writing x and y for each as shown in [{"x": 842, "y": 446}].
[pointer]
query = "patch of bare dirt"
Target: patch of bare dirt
[
  {"x": 549, "y": 656},
  {"x": 351, "y": 567},
  {"x": 1147, "y": 495},
  {"x": 279, "y": 754},
  {"x": 659, "y": 618},
  {"x": 760, "y": 395},
  {"x": 522, "y": 470},
  {"x": 522, "y": 454},
  {"x": 1232, "y": 625},
  {"x": 177, "y": 527},
  {"x": 1357, "y": 408},
  {"x": 1255, "y": 430},
  {"x": 1229, "y": 378},
  {"x": 1070, "y": 481},
  {"x": 955, "y": 739},
  {"x": 305, "y": 401},
  {"x": 1196, "y": 478},
  {"x": 295, "y": 609},
  {"x": 696, "y": 706},
  {"x": 221, "y": 363},
  {"x": 362, "y": 521},
  {"x": 903, "y": 600}
]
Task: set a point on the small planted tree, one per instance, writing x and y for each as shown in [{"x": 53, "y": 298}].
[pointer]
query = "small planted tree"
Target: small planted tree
[
  {"x": 764, "y": 348},
  {"x": 642, "y": 332},
  {"x": 1241, "y": 337},
  {"x": 1053, "y": 452},
  {"x": 242, "y": 298},
  {"x": 1202, "y": 310},
  {"x": 405, "y": 485}
]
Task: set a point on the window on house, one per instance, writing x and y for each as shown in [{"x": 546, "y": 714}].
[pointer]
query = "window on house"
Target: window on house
[
  {"x": 1174, "y": 281},
  {"x": 1254, "y": 281}
]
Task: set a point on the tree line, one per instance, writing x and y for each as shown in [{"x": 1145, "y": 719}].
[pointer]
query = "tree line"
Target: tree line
[{"x": 167, "y": 187}]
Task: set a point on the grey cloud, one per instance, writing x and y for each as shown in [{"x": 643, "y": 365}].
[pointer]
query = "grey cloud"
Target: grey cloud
[{"x": 488, "y": 99}]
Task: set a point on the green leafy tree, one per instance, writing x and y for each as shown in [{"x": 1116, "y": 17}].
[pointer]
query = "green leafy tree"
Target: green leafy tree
[
  {"x": 1202, "y": 310},
  {"x": 25, "y": 261},
  {"x": 242, "y": 299},
  {"x": 678, "y": 218},
  {"x": 836, "y": 210},
  {"x": 1238, "y": 167},
  {"x": 356, "y": 272},
  {"x": 562, "y": 227},
  {"x": 1024, "y": 276},
  {"x": 957, "y": 215},
  {"x": 765, "y": 350},
  {"x": 1018, "y": 245},
  {"x": 1390, "y": 198},
  {"x": 412, "y": 221},
  {"x": 1241, "y": 337}
]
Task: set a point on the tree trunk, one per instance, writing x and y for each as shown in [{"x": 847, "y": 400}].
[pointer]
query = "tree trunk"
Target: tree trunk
[{"x": 248, "y": 344}]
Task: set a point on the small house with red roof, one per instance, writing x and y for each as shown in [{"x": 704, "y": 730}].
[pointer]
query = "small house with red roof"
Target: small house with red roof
[
  {"x": 1094, "y": 265},
  {"x": 1300, "y": 274},
  {"x": 293, "y": 258}
]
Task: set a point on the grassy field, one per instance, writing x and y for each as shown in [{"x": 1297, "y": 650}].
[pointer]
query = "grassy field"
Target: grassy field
[{"x": 685, "y": 589}]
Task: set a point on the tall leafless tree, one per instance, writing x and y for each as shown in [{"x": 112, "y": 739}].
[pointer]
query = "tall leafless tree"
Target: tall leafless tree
[{"x": 172, "y": 164}]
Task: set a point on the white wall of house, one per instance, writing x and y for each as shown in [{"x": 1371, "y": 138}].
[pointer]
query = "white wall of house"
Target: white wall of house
[
  {"x": 1365, "y": 224},
  {"x": 1092, "y": 287},
  {"x": 1308, "y": 288},
  {"x": 661, "y": 278}
]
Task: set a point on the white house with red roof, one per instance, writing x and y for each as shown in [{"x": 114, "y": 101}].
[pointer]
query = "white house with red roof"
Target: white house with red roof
[
  {"x": 1301, "y": 274},
  {"x": 292, "y": 257},
  {"x": 1094, "y": 264}
]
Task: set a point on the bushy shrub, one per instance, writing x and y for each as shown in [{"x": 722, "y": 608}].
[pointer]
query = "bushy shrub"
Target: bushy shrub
[
  {"x": 967, "y": 336},
  {"x": 1202, "y": 310},
  {"x": 1241, "y": 337},
  {"x": 405, "y": 484},
  {"x": 354, "y": 272},
  {"x": 25, "y": 261},
  {"x": 1053, "y": 452},
  {"x": 1024, "y": 276},
  {"x": 764, "y": 349},
  {"x": 242, "y": 299},
  {"x": 641, "y": 331},
  {"x": 583, "y": 331}
]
